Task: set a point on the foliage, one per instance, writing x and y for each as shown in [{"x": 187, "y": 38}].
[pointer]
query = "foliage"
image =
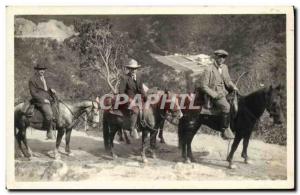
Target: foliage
[
  {"x": 80, "y": 65},
  {"x": 101, "y": 50}
]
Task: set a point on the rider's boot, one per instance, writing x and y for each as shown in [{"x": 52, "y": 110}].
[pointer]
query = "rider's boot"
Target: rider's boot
[
  {"x": 49, "y": 129},
  {"x": 226, "y": 131},
  {"x": 133, "y": 120}
]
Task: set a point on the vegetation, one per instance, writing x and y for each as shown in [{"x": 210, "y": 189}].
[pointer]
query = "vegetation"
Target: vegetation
[{"x": 82, "y": 65}]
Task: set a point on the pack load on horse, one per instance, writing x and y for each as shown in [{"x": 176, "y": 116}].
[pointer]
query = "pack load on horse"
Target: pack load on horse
[
  {"x": 38, "y": 113},
  {"x": 127, "y": 110}
]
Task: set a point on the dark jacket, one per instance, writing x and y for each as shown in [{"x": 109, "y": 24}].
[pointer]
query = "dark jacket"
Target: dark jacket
[
  {"x": 213, "y": 82},
  {"x": 130, "y": 87},
  {"x": 37, "y": 90}
]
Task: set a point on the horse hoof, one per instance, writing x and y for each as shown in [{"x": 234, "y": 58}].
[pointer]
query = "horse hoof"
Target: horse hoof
[
  {"x": 145, "y": 160},
  {"x": 36, "y": 154},
  {"x": 154, "y": 156},
  {"x": 114, "y": 156},
  {"x": 57, "y": 157},
  {"x": 70, "y": 154},
  {"x": 187, "y": 161},
  {"x": 162, "y": 141},
  {"x": 249, "y": 162},
  {"x": 232, "y": 166}
]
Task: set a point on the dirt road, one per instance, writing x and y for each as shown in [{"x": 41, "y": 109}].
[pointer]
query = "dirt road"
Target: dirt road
[{"x": 89, "y": 162}]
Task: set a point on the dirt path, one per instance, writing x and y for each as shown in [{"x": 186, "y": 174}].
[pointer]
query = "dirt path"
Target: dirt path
[{"x": 90, "y": 163}]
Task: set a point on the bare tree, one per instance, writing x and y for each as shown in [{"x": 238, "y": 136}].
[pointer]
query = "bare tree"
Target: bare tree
[{"x": 101, "y": 49}]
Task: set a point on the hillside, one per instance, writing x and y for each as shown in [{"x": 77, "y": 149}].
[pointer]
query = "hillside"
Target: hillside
[{"x": 252, "y": 47}]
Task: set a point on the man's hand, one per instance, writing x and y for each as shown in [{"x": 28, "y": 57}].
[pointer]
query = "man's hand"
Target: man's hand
[
  {"x": 219, "y": 96},
  {"x": 53, "y": 91},
  {"x": 235, "y": 89},
  {"x": 46, "y": 101}
]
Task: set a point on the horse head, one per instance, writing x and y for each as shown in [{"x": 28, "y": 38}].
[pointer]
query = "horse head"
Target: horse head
[
  {"x": 172, "y": 106},
  {"x": 273, "y": 106},
  {"x": 93, "y": 114}
]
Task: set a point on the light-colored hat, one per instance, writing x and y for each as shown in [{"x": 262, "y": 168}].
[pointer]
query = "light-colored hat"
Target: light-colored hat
[
  {"x": 221, "y": 52},
  {"x": 132, "y": 64}
]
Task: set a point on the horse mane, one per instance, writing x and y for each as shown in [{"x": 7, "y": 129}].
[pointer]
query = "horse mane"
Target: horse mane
[
  {"x": 255, "y": 94},
  {"x": 255, "y": 101}
]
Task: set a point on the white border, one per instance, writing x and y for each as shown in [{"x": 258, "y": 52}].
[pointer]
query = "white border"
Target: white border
[{"x": 57, "y": 10}]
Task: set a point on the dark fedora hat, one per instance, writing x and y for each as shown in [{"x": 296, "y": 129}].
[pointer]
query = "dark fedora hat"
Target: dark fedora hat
[{"x": 40, "y": 67}]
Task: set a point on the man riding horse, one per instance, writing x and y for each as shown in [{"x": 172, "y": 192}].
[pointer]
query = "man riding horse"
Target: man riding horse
[
  {"x": 216, "y": 83},
  {"x": 42, "y": 95},
  {"x": 132, "y": 85}
]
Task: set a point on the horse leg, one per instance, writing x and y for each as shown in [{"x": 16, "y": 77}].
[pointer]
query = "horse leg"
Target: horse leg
[
  {"x": 153, "y": 135},
  {"x": 182, "y": 142},
  {"x": 24, "y": 140},
  {"x": 189, "y": 147},
  {"x": 19, "y": 138},
  {"x": 68, "y": 139},
  {"x": 112, "y": 136},
  {"x": 234, "y": 146},
  {"x": 160, "y": 135},
  {"x": 60, "y": 133},
  {"x": 120, "y": 134},
  {"x": 245, "y": 148},
  {"x": 144, "y": 142},
  {"x": 126, "y": 137}
]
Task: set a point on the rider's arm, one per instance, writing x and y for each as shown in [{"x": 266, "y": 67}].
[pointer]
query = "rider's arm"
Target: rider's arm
[
  {"x": 228, "y": 82},
  {"x": 122, "y": 86},
  {"x": 35, "y": 93},
  {"x": 204, "y": 84}
]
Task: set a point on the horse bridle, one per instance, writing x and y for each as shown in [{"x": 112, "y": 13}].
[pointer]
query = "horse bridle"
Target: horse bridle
[{"x": 76, "y": 118}]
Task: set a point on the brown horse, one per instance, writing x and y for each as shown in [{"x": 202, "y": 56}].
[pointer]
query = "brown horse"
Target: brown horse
[
  {"x": 251, "y": 107},
  {"x": 150, "y": 121},
  {"x": 69, "y": 113}
]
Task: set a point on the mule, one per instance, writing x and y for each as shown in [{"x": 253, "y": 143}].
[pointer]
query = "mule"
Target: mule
[
  {"x": 250, "y": 109},
  {"x": 68, "y": 116},
  {"x": 149, "y": 122}
]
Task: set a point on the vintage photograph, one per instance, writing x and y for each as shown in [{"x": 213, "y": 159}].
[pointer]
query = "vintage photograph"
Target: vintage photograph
[{"x": 150, "y": 98}]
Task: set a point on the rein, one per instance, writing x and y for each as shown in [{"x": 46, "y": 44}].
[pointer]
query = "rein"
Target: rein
[{"x": 76, "y": 118}]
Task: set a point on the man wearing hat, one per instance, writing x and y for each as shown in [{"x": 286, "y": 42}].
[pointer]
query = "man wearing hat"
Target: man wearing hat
[
  {"x": 41, "y": 95},
  {"x": 132, "y": 85},
  {"x": 215, "y": 83}
]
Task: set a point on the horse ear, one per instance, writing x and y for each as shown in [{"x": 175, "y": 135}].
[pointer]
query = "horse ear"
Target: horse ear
[
  {"x": 279, "y": 87},
  {"x": 166, "y": 91},
  {"x": 97, "y": 100},
  {"x": 271, "y": 88}
]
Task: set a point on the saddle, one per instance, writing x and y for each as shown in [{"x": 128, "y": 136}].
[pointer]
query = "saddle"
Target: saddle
[
  {"x": 33, "y": 113},
  {"x": 209, "y": 109}
]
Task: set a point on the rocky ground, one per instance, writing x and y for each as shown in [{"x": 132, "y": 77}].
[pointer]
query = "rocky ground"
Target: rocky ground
[{"x": 89, "y": 162}]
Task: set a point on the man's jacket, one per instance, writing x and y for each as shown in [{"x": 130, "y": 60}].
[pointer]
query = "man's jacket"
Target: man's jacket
[
  {"x": 212, "y": 82},
  {"x": 131, "y": 87},
  {"x": 37, "y": 91}
]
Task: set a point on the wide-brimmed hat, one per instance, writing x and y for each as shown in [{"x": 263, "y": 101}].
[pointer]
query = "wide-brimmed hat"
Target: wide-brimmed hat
[
  {"x": 221, "y": 52},
  {"x": 132, "y": 64}
]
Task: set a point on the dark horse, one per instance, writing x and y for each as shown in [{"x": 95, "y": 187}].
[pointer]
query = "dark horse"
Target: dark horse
[
  {"x": 250, "y": 109},
  {"x": 68, "y": 115},
  {"x": 150, "y": 121}
]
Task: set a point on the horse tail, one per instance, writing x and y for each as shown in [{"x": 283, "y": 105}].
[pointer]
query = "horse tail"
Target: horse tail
[{"x": 106, "y": 132}]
